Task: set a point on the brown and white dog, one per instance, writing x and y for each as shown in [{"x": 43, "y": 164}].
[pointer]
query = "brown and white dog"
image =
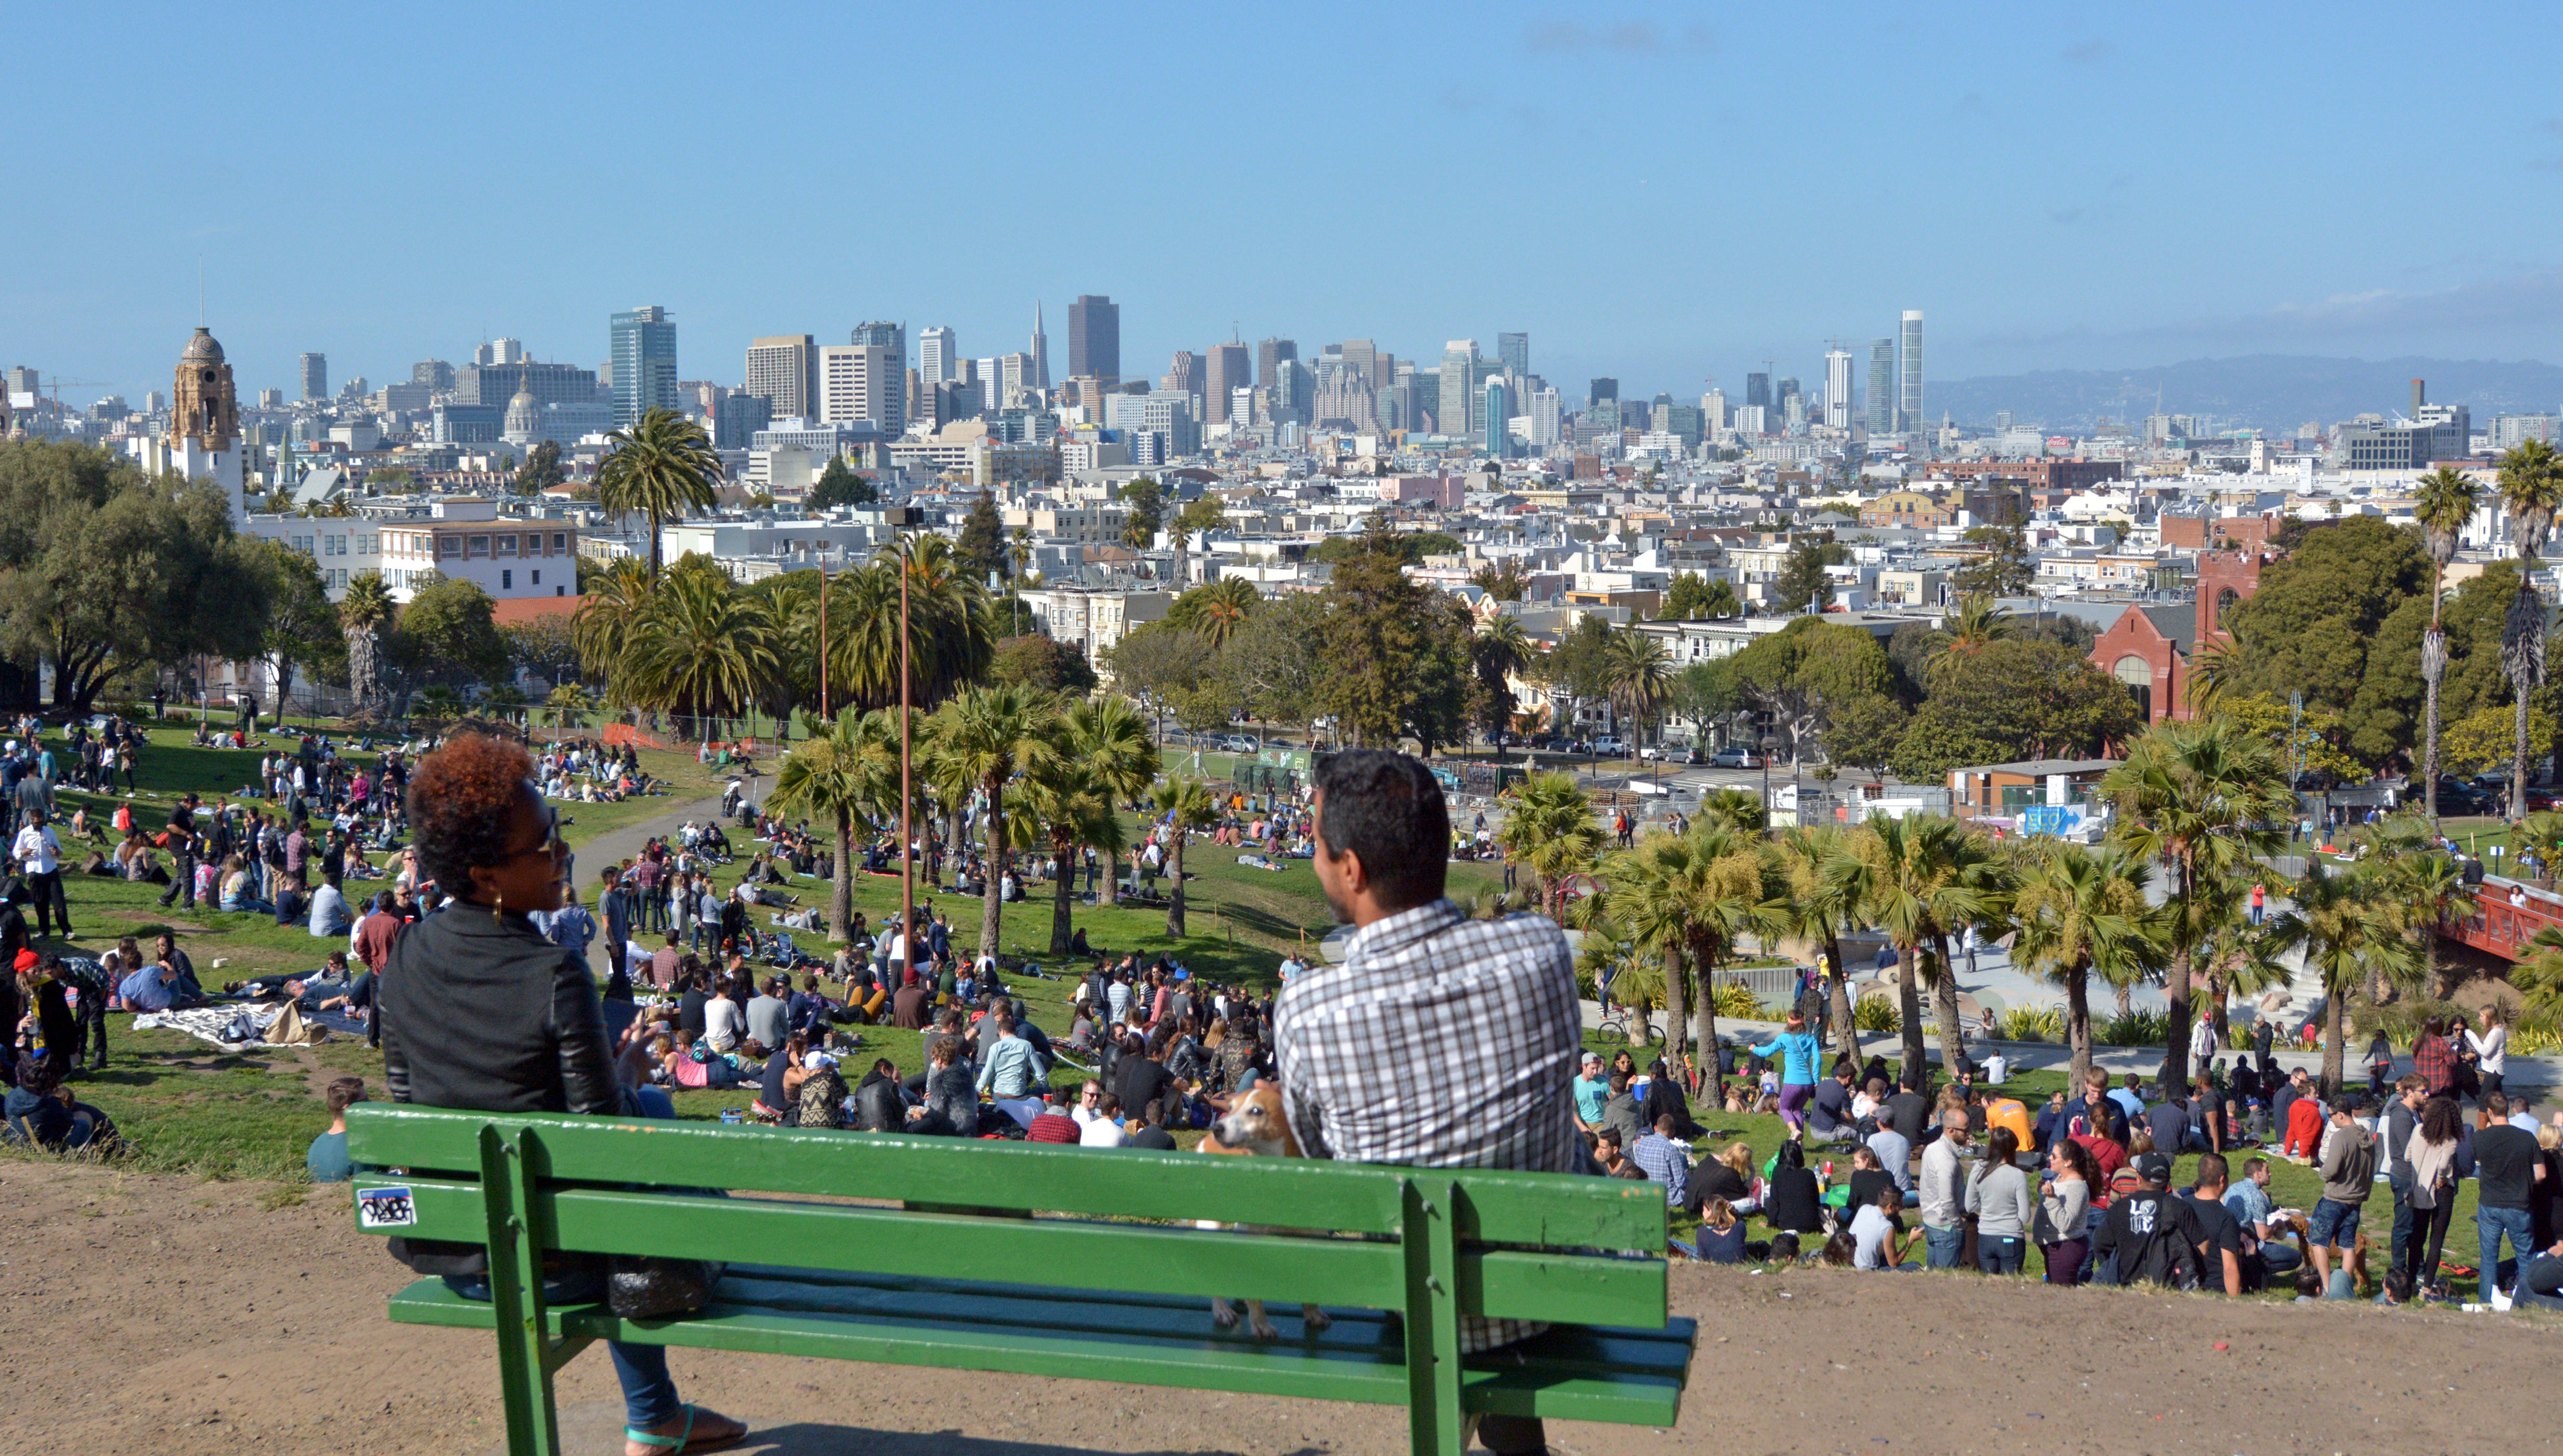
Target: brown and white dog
[{"x": 1256, "y": 1126}]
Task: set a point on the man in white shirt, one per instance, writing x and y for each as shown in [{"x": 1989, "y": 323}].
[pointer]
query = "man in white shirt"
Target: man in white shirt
[
  {"x": 1943, "y": 1184},
  {"x": 40, "y": 858}
]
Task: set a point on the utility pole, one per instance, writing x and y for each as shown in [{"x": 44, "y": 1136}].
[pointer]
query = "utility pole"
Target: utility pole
[{"x": 906, "y": 784}]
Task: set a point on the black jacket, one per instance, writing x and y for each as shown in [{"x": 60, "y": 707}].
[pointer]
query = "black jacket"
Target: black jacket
[{"x": 480, "y": 1012}]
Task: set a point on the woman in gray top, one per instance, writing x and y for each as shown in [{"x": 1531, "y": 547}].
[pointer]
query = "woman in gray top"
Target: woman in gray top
[{"x": 1998, "y": 1195}]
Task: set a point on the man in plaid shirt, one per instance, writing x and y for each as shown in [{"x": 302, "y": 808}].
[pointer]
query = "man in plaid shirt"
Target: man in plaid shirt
[{"x": 1441, "y": 1041}]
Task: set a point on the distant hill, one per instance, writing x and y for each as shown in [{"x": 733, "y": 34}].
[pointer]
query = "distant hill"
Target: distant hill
[{"x": 2276, "y": 391}]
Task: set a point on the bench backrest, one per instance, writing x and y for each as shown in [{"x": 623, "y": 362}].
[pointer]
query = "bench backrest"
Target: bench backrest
[{"x": 1457, "y": 1241}]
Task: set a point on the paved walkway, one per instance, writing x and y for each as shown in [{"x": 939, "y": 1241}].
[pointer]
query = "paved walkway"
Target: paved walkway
[{"x": 615, "y": 845}]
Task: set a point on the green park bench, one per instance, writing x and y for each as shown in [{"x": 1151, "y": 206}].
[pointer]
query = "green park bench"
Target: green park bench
[{"x": 1111, "y": 1282}]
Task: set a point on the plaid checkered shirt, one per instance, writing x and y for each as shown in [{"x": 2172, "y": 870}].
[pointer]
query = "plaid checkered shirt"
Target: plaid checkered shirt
[{"x": 1441, "y": 1041}]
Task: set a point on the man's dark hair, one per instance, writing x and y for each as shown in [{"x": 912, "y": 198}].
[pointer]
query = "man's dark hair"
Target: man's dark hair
[
  {"x": 1386, "y": 808},
  {"x": 2212, "y": 1168}
]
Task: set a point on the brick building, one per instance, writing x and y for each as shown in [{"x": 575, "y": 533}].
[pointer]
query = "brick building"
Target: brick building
[
  {"x": 2200, "y": 533},
  {"x": 2152, "y": 649}
]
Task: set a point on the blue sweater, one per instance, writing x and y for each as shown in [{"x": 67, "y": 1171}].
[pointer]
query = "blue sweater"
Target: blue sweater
[{"x": 1797, "y": 1057}]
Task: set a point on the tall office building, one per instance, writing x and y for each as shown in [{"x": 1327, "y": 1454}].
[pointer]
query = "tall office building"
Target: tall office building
[
  {"x": 784, "y": 371},
  {"x": 1464, "y": 406},
  {"x": 1094, "y": 338},
  {"x": 1186, "y": 376},
  {"x": 860, "y": 382},
  {"x": 499, "y": 351},
  {"x": 1294, "y": 393},
  {"x": 1495, "y": 417},
  {"x": 1908, "y": 403},
  {"x": 434, "y": 373},
  {"x": 1838, "y": 387},
  {"x": 1544, "y": 413},
  {"x": 1041, "y": 350},
  {"x": 1224, "y": 374},
  {"x": 1269, "y": 356},
  {"x": 643, "y": 355},
  {"x": 939, "y": 356},
  {"x": 893, "y": 337},
  {"x": 1881, "y": 386},
  {"x": 1600, "y": 390},
  {"x": 1514, "y": 350},
  {"x": 1362, "y": 357},
  {"x": 1757, "y": 391},
  {"x": 315, "y": 376}
]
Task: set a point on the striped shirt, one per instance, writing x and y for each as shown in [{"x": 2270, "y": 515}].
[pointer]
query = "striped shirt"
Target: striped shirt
[{"x": 1441, "y": 1041}]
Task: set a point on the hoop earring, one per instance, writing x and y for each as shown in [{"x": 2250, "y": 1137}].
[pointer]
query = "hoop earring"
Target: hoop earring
[{"x": 496, "y": 903}]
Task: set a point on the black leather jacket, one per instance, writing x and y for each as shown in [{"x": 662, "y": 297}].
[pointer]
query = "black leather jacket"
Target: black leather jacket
[{"x": 480, "y": 1012}]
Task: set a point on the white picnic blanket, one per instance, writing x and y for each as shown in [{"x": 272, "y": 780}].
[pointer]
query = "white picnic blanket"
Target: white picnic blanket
[{"x": 223, "y": 1026}]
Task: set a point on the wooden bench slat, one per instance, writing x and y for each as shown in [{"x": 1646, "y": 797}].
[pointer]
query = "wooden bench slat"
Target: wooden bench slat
[
  {"x": 1496, "y": 1207},
  {"x": 1523, "y": 1381},
  {"x": 1135, "y": 1258}
]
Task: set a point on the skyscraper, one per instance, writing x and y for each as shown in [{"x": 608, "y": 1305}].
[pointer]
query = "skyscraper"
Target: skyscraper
[
  {"x": 1838, "y": 387},
  {"x": 1185, "y": 375},
  {"x": 1881, "y": 386},
  {"x": 434, "y": 373},
  {"x": 1545, "y": 420},
  {"x": 1757, "y": 391},
  {"x": 1908, "y": 402},
  {"x": 1602, "y": 389},
  {"x": 1224, "y": 373},
  {"x": 1041, "y": 350},
  {"x": 1462, "y": 407},
  {"x": 859, "y": 382},
  {"x": 784, "y": 371},
  {"x": 1094, "y": 337},
  {"x": 643, "y": 354},
  {"x": 1495, "y": 412},
  {"x": 1514, "y": 350},
  {"x": 1269, "y": 356},
  {"x": 893, "y": 337},
  {"x": 939, "y": 356},
  {"x": 315, "y": 376}
]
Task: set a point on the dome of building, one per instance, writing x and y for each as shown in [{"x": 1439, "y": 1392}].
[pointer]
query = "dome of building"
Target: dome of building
[
  {"x": 523, "y": 422},
  {"x": 202, "y": 348}
]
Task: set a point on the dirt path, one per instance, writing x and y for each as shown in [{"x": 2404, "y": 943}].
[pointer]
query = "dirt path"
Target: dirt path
[
  {"x": 618, "y": 844},
  {"x": 163, "y": 1315}
]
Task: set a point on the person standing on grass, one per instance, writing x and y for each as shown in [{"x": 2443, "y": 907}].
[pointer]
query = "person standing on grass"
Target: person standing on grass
[
  {"x": 40, "y": 861},
  {"x": 1796, "y": 1047},
  {"x": 2490, "y": 1048},
  {"x": 1998, "y": 1195},
  {"x": 1418, "y": 977},
  {"x": 2507, "y": 1169},
  {"x": 2347, "y": 1164}
]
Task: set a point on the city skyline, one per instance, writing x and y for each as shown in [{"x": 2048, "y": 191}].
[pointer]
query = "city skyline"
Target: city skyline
[{"x": 2038, "y": 225}]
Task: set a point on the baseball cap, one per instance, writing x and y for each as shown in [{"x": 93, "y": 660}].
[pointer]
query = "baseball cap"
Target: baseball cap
[
  {"x": 1593, "y": 1058},
  {"x": 2153, "y": 1167}
]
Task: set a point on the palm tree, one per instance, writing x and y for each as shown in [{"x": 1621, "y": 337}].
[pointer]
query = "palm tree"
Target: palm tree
[
  {"x": 1218, "y": 610},
  {"x": 2208, "y": 798},
  {"x": 2531, "y": 486},
  {"x": 601, "y": 628},
  {"x": 1183, "y": 805},
  {"x": 1980, "y": 623},
  {"x": 2346, "y": 931},
  {"x": 1927, "y": 878},
  {"x": 1501, "y": 650},
  {"x": 659, "y": 468},
  {"x": 982, "y": 739},
  {"x": 566, "y": 706},
  {"x": 1690, "y": 897},
  {"x": 1108, "y": 738},
  {"x": 1065, "y": 798},
  {"x": 2445, "y": 503},
  {"x": 1549, "y": 825},
  {"x": 1638, "y": 674},
  {"x": 826, "y": 778},
  {"x": 2422, "y": 881},
  {"x": 1821, "y": 907},
  {"x": 699, "y": 647},
  {"x": 2081, "y": 911},
  {"x": 364, "y": 611}
]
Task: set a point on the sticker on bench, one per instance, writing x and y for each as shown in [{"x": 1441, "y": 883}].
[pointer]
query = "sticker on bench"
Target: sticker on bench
[{"x": 385, "y": 1209}]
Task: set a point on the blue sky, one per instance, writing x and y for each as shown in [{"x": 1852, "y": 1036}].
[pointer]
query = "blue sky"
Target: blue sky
[{"x": 1663, "y": 193}]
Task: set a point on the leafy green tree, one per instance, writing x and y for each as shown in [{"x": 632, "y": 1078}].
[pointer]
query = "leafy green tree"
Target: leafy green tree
[
  {"x": 448, "y": 635},
  {"x": 1802, "y": 585},
  {"x": 982, "y": 739},
  {"x": 546, "y": 645},
  {"x": 1219, "y": 611},
  {"x": 1159, "y": 663},
  {"x": 1503, "y": 582},
  {"x": 1182, "y": 806},
  {"x": 1207, "y": 513},
  {"x": 1549, "y": 826},
  {"x": 1146, "y": 500},
  {"x": 659, "y": 469},
  {"x": 301, "y": 623},
  {"x": 106, "y": 572},
  {"x": 1277, "y": 667},
  {"x": 1409, "y": 547},
  {"x": 1579, "y": 660},
  {"x": 1866, "y": 731},
  {"x": 2001, "y": 564},
  {"x": 1035, "y": 661},
  {"x": 1797, "y": 676},
  {"x": 1397, "y": 654},
  {"x": 982, "y": 548},
  {"x": 701, "y": 646},
  {"x": 2021, "y": 699},
  {"x": 1694, "y": 599},
  {"x": 542, "y": 470},
  {"x": 2206, "y": 798},
  {"x": 2443, "y": 507},
  {"x": 2319, "y": 733},
  {"x": 2078, "y": 912},
  {"x": 838, "y": 484},
  {"x": 365, "y": 612},
  {"x": 2317, "y": 612}
]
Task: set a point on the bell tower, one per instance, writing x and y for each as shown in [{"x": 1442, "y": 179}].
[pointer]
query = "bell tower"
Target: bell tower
[{"x": 203, "y": 408}]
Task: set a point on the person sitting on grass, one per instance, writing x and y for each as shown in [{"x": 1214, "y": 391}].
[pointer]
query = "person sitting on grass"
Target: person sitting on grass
[
  {"x": 327, "y": 1159},
  {"x": 42, "y": 1113},
  {"x": 1879, "y": 1241},
  {"x": 1722, "y": 1234},
  {"x": 951, "y": 1107}
]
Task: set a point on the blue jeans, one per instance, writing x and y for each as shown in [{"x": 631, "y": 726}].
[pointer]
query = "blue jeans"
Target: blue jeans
[
  {"x": 649, "y": 1395},
  {"x": 1944, "y": 1244},
  {"x": 2334, "y": 1224},
  {"x": 2402, "y": 1188},
  {"x": 2489, "y": 1226},
  {"x": 2001, "y": 1254}
]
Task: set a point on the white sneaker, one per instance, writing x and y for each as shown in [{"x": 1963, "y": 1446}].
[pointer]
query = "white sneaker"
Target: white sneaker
[{"x": 2500, "y": 1301}]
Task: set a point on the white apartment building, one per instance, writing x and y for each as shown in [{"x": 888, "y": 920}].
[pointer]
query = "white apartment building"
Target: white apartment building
[
  {"x": 860, "y": 381},
  {"x": 1095, "y": 621},
  {"x": 508, "y": 557}
]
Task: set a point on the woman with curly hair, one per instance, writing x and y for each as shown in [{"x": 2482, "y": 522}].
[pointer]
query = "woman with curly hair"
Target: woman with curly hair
[{"x": 482, "y": 1011}]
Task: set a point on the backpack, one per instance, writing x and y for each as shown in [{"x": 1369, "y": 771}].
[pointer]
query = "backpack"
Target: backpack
[{"x": 822, "y": 1094}]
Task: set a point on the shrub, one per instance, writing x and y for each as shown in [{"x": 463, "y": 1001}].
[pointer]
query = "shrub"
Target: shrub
[
  {"x": 1876, "y": 1013},
  {"x": 2032, "y": 1024},
  {"x": 1730, "y": 999},
  {"x": 2134, "y": 1029},
  {"x": 2402, "y": 1019}
]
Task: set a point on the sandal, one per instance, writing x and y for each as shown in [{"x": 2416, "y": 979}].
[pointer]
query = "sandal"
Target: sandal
[{"x": 684, "y": 1441}]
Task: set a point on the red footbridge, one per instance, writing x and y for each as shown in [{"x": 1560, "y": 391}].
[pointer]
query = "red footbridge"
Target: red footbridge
[{"x": 2505, "y": 917}]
